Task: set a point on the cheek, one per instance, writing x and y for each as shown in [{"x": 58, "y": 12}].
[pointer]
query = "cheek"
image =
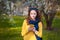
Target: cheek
[
  {"x": 31, "y": 15},
  {"x": 35, "y": 15}
]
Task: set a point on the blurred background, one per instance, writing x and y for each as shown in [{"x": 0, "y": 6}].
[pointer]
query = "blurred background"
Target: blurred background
[{"x": 13, "y": 12}]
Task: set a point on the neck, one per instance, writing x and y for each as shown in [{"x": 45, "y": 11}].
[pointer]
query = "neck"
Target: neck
[{"x": 33, "y": 19}]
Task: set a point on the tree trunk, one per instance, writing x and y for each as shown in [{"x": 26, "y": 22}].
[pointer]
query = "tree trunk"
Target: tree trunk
[{"x": 49, "y": 20}]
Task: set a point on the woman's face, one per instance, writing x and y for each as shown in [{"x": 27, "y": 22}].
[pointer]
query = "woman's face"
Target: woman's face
[{"x": 33, "y": 14}]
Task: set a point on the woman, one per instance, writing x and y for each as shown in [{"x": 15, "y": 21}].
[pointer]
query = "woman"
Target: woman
[{"x": 32, "y": 26}]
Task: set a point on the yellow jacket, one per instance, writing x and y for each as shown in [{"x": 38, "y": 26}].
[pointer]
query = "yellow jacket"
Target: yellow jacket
[{"x": 30, "y": 35}]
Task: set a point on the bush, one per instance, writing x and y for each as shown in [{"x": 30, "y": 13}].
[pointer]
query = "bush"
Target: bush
[
  {"x": 5, "y": 21},
  {"x": 14, "y": 21}
]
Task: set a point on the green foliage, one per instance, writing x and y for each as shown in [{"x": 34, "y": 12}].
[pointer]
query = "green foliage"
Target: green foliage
[
  {"x": 58, "y": 13},
  {"x": 53, "y": 34},
  {"x": 4, "y": 21},
  {"x": 14, "y": 33},
  {"x": 18, "y": 20},
  {"x": 14, "y": 21}
]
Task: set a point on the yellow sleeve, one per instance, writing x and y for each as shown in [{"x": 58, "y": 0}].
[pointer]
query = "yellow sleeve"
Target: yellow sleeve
[
  {"x": 39, "y": 33},
  {"x": 24, "y": 28}
]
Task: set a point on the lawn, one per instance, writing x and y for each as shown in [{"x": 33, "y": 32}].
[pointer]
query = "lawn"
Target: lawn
[{"x": 14, "y": 33}]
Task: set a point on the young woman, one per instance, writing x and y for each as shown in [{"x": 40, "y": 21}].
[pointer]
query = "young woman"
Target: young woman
[{"x": 32, "y": 26}]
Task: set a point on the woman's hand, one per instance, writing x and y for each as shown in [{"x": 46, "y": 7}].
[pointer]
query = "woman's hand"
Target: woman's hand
[
  {"x": 34, "y": 29},
  {"x": 30, "y": 28}
]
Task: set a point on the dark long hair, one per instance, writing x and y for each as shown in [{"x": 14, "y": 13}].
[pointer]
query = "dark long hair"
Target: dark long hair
[{"x": 38, "y": 14}]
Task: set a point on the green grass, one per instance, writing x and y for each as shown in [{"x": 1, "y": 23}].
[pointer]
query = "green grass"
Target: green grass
[
  {"x": 10, "y": 34},
  {"x": 54, "y": 34},
  {"x": 14, "y": 33}
]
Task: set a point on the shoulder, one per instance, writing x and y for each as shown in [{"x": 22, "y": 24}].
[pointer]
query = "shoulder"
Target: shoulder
[
  {"x": 40, "y": 23},
  {"x": 25, "y": 20}
]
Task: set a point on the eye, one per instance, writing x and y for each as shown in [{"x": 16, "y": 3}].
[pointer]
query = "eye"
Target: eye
[{"x": 35, "y": 13}]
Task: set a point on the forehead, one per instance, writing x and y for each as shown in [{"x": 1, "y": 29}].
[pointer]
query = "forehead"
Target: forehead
[{"x": 32, "y": 11}]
